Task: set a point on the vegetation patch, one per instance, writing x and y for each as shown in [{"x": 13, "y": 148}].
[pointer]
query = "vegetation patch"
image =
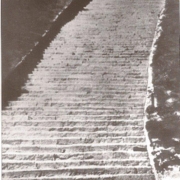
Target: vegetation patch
[{"x": 163, "y": 124}]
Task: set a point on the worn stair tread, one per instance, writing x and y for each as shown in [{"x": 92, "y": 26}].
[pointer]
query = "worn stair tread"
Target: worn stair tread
[
  {"x": 97, "y": 177},
  {"x": 70, "y": 140},
  {"x": 56, "y": 165},
  {"x": 76, "y": 134},
  {"x": 81, "y": 170},
  {"x": 76, "y": 161},
  {"x": 75, "y": 128},
  {"x": 81, "y": 119},
  {"x": 94, "y": 155}
]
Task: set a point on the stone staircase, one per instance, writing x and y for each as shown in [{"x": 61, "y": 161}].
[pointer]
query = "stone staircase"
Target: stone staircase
[{"x": 81, "y": 114}]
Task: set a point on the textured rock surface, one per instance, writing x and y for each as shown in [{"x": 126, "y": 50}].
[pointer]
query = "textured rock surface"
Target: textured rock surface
[
  {"x": 163, "y": 124},
  {"x": 82, "y": 114}
]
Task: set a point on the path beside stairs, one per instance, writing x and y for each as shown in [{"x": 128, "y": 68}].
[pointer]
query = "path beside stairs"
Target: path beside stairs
[{"x": 82, "y": 115}]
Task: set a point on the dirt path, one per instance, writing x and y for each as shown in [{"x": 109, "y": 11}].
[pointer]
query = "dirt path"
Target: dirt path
[{"x": 82, "y": 114}]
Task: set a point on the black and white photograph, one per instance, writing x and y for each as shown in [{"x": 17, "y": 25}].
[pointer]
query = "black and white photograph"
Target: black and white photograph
[{"x": 90, "y": 90}]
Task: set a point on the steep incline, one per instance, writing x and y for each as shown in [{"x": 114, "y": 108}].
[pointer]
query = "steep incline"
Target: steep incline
[{"x": 82, "y": 115}]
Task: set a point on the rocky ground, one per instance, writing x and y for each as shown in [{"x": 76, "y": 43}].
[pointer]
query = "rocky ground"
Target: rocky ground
[
  {"x": 164, "y": 124},
  {"x": 23, "y": 24}
]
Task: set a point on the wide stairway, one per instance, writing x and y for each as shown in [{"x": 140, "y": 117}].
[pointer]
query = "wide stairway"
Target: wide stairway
[{"x": 81, "y": 117}]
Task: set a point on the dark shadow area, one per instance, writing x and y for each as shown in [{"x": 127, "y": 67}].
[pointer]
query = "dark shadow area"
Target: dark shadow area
[
  {"x": 23, "y": 24},
  {"x": 11, "y": 86}
]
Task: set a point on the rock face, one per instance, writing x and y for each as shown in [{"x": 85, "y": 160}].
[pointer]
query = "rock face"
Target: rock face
[{"x": 82, "y": 114}]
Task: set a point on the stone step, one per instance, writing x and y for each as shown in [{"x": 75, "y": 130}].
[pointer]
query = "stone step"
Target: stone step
[
  {"x": 124, "y": 162},
  {"x": 127, "y": 99},
  {"x": 70, "y": 140},
  {"x": 75, "y": 110},
  {"x": 82, "y": 97},
  {"x": 90, "y": 62},
  {"x": 122, "y": 98},
  {"x": 73, "y": 107},
  {"x": 78, "y": 57},
  {"x": 92, "y": 68},
  {"x": 96, "y": 177},
  {"x": 92, "y": 155},
  {"x": 72, "y": 119},
  {"x": 77, "y": 128},
  {"x": 50, "y": 72},
  {"x": 118, "y": 90},
  {"x": 117, "y": 53},
  {"x": 74, "y": 171},
  {"x": 78, "y": 88},
  {"x": 75, "y": 134},
  {"x": 89, "y": 79},
  {"x": 71, "y": 76},
  {"x": 90, "y": 120},
  {"x": 72, "y": 148},
  {"x": 114, "y": 62},
  {"x": 121, "y": 78},
  {"x": 85, "y": 84},
  {"x": 44, "y": 122},
  {"x": 90, "y": 94},
  {"x": 68, "y": 69},
  {"x": 73, "y": 100},
  {"x": 59, "y": 83},
  {"x": 29, "y": 165},
  {"x": 67, "y": 91},
  {"x": 43, "y": 112},
  {"x": 79, "y": 120},
  {"x": 72, "y": 104},
  {"x": 102, "y": 76},
  {"x": 82, "y": 56},
  {"x": 136, "y": 92}
]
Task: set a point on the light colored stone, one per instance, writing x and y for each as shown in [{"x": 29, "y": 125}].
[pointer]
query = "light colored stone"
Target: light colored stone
[{"x": 81, "y": 117}]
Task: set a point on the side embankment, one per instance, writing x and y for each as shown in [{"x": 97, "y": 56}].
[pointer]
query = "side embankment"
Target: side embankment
[{"x": 163, "y": 104}]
